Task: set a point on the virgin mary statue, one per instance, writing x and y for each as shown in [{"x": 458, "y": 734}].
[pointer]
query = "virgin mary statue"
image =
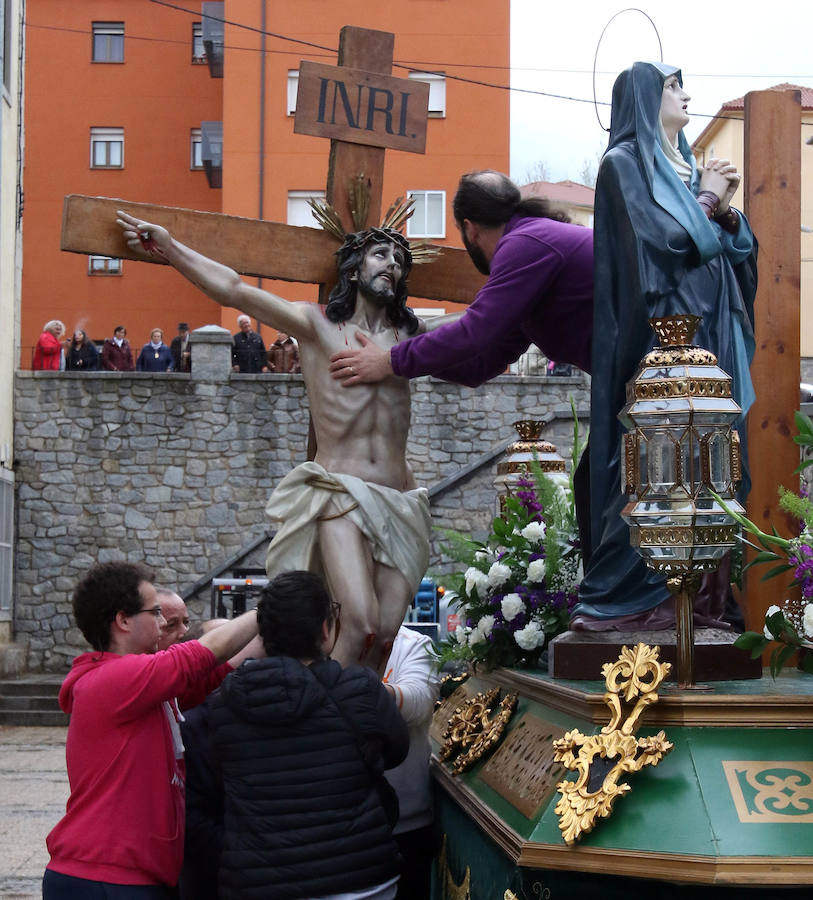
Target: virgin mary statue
[{"x": 667, "y": 242}]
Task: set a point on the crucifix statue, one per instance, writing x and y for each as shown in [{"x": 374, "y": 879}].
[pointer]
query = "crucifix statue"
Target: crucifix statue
[{"x": 353, "y": 512}]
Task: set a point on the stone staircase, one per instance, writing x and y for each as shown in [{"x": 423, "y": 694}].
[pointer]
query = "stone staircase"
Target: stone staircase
[{"x": 31, "y": 700}]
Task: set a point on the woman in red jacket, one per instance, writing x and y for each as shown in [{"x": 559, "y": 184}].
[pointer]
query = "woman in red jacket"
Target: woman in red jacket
[{"x": 48, "y": 351}]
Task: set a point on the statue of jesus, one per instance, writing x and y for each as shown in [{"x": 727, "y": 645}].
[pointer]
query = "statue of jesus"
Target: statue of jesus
[{"x": 354, "y": 513}]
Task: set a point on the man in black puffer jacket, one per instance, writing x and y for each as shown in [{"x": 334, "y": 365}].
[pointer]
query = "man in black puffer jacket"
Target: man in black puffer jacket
[{"x": 299, "y": 746}]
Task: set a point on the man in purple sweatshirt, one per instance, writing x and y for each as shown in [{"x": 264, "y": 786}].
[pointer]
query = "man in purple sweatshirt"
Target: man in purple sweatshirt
[{"x": 539, "y": 290}]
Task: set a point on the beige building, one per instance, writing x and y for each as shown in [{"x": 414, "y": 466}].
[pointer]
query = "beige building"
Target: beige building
[
  {"x": 577, "y": 200},
  {"x": 723, "y": 138},
  {"x": 10, "y": 269}
]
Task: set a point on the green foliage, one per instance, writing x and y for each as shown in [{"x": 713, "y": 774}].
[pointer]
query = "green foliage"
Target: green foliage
[
  {"x": 783, "y": 555},
  {"x": 805, "y": 436},
  {"x": 799, "y": 507}
]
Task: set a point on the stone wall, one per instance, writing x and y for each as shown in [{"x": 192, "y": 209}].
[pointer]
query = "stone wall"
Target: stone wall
[{"x": 175, "y": 470}]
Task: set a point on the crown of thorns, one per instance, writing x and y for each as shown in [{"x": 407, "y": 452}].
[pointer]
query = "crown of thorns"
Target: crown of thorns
[
  {"x": 360, "y": 239},
  {"x": 359, "y": 201}
]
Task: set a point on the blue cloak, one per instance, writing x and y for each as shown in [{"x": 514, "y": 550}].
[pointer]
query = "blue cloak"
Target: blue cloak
[{"x": 655, "y": 254}]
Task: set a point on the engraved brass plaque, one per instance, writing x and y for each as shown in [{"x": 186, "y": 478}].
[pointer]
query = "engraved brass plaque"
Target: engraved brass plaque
[
  {"x": 775, "y": 790},
  {"x": 522, "y": 771}
]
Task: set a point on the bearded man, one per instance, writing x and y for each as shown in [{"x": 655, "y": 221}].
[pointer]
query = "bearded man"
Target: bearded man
[{"x": 353, "y": 514}]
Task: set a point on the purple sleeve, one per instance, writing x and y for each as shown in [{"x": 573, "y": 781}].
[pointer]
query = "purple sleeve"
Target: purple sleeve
[{"x": 490, "y": 334}]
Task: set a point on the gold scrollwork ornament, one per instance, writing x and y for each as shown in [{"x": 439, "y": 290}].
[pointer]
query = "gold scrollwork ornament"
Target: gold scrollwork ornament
[
  {"x": 601, "y": 760},
  {"x": 475, "y": 728}
]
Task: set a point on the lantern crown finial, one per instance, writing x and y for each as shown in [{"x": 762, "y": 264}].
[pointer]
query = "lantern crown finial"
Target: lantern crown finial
[{"x": 675, "y": 331}]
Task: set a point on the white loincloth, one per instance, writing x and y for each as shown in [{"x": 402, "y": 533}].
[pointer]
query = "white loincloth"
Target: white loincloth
[{"x": 395, "y": 523}]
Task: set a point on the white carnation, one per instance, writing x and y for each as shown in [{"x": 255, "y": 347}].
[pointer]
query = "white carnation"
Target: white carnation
[
  {"x": 534, "y": 531},
  {"x": 765, "y": 630},
  {"x": 511, "y": 605},
  {"x": 536, "y": 570},
  {"x": 498, "y": 574},
  {"x": 476, "y": 579},
  {"x": 530, "y": 637},
  {"x": 807, "y": 620},
  {"x": 476, "y": 635},
  {"x": 485, "y": 625},
  {"x": 482, "y": 556}
]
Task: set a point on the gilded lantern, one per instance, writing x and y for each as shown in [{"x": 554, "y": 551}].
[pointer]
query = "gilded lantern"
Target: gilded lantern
[
  {"x": 521, "y": 454},
  {"x": 681, "y": 446}
]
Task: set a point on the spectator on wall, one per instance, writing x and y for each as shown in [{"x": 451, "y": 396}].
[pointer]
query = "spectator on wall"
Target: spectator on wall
[
  {"x": 155, "y": 356},
  {"x": 81, "y": 354},
  {"x": 181, "y": 349},
  {"x": 283, "y": 355},
  {"x": 248, "y": 352},
  {"x": 48, "y": 350},
  {"x": 116, "y": 353}
]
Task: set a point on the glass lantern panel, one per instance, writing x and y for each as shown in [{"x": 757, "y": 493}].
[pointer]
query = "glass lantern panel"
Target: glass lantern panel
[
  {"x": 719, "y": 452},
  {"x": 650, "y": 372},
  {"x": 661, "y": 470},
  {"x": 704, "y": 372},
  {"x": 715, "y": 410},
  {"x": 646, "y": 409}
]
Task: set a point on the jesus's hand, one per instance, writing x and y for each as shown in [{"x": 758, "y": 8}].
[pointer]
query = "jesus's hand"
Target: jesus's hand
[
  {"x": 364, "y": 366},
  {"x": 142, "y": 236}
]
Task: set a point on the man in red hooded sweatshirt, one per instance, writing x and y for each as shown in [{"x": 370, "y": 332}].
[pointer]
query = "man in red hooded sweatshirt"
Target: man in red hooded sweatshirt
[{"x": 123, "y": 831}]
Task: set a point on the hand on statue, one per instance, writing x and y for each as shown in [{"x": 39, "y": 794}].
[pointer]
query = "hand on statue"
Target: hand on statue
[
  {"x": 733, "y": 183},
  {"x": 720, "y": 177},
  {"x": 365, "y": 366},
  {"x": 143, "y": 236}
]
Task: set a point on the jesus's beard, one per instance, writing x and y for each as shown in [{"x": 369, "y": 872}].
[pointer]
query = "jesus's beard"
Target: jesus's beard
[{"x": 384, "y": 296}]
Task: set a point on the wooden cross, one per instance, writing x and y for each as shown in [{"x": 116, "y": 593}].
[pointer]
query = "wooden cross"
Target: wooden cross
[{"x": 367, "y": 97}]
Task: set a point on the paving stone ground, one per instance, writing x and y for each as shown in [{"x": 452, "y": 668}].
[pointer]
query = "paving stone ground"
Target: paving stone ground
[{"x": 33, "y": 794}]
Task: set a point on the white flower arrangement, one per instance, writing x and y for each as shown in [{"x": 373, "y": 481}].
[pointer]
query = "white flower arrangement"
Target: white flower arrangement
[{"x": 520, "y": 585}]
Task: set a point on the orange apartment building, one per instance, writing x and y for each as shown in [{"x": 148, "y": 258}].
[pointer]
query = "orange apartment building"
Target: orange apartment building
[{"x": 134, "y": 99}]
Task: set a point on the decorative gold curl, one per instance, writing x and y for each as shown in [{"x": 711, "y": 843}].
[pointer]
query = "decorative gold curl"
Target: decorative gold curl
[
  {"x": 475, "y": 728},
  {"x": 602, "y": 759}
]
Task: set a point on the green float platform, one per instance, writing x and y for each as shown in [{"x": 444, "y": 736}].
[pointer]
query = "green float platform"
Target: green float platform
[{"x": 728, "y": 813}]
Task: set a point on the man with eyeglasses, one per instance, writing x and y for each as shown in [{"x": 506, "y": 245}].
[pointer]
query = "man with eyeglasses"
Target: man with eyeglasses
[{"x": 123, "y": 830}]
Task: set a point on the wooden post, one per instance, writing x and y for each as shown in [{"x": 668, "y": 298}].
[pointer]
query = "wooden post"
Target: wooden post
[{"x": 773, "y": 207}]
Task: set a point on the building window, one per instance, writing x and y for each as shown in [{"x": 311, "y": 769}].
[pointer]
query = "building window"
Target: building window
[
  {"x": 196, "y": 149},
  {"x": 437, "y": 92},
  {"x": 5, "y": 44},
  {"x": 106, "y": 148},
  {"x": 299, "y": 212},
  {"x": 104, "y": 265},
  {"x": 6, "y": 533},
  {"x": 108, "y": 42},
  {"x": 429, "y": 217},
  {"x": 293, "y": 87},
  {"x": 198, "y": 50}
]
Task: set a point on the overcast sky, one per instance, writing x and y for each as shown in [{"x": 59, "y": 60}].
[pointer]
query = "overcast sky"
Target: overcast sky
[{"x": 724, "y": 50}]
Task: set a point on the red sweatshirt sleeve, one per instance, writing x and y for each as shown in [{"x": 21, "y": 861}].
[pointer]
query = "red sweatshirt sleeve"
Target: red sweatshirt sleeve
[{"x": 134, "y": 684}]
